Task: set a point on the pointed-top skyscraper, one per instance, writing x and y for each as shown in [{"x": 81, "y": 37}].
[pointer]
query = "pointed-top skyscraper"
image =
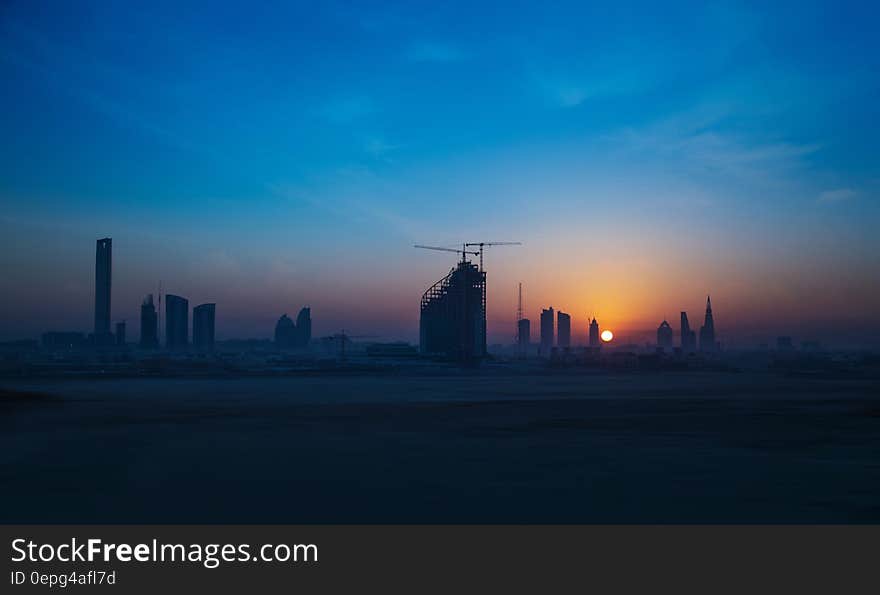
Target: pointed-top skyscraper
[
  {"x": 149, "y": 324},
  {"x": 594, "y": 333},
  {"x": 664, "y": 335},
  {"x": 707, "y": 331}
]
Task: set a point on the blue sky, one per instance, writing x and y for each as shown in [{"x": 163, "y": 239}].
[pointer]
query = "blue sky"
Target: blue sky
[{"x": 270, "y": 155}]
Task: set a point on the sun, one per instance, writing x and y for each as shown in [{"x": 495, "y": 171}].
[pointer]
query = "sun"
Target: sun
[{"x": 607, "y": 335}]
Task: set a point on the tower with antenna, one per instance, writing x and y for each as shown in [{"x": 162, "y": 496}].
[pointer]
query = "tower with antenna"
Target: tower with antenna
[
  {"x": 523, "y": 327},
  {"x": 519, "y": 307}
]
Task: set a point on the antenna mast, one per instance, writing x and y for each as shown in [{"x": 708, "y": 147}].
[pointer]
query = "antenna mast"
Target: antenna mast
[
  {"x": 519, "y": 308},
  {"x": 519, "y": 317}
]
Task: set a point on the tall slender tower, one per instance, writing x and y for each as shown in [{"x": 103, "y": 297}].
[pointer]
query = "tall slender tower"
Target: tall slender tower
[
  {"x": 103, "y": 269},
  {"x": 519, "y": 317},
  {"x": 547, "y": 330},
  {"x": 523, "y": 327},
  {"x": 519, "y": 308},
  {"x": 304, "y": 328},
  {"x": 149, "y": 324},
  {"x": 707, "y": 331},
  {"x": 563, "y": 330},
  {"x": 176, "y": 322},
  {"x": 594, "y": 333},
  {"x": 203, "y": 327}
]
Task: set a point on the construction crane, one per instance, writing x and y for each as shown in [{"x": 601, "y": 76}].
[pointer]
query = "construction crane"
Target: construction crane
[
  {"x": 482, "y": 282},
  {"x": 519, "y": 317},
  {"x": 464, "y": 302},
  {"x": 343, "y": 337},
  {"x": 481, "y": 244},
  {"x": 463, "y": 251}
]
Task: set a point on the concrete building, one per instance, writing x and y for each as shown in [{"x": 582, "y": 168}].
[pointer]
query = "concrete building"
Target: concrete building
[
  {"x": 294, "y": 335},
  {"x": 452, "y": 320},
  {"x": 285, "y": 333},
  {"x": 203, "y": 327},
  {"x": 664, "y": 336},
  {"x": 149, "y": 324},
  {"x": 103, "y": 282},
  {"x": 176, "y": 322},
  {"x": 688, "y": 337},
  {"x": 304, "y": 327},
  {"x": 547, "y": 334},
  {"x": 563, "y": 330},
  {"x": 523, "y": 334}
]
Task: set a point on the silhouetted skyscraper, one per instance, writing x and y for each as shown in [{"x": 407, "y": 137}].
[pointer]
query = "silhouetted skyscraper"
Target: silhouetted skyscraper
[
  {"x": 149, "y": 324},
  {"x": 203, "y": 327},
  {"x": 707, "y": 331},
  {"x": 523, "y": 326},
  {"x": 294, "y": 335},
  {"x": 523, "y": 333},
  {"x": 664, "y": 335},
  {"x": 547, "y": 330},
  {"x": 304, "y": 327},
  {"x": 452, "y": 317},
  {"x": 594, "y": 333},
  {"x": 103, "y": 272},
  {"x": 120, "y": 334},
  {"x": 176, "y": 322},
  {"x": 285, "y": 333},
  {"x": 688, "y": 337},
  {"x": 563, "y": 330}
]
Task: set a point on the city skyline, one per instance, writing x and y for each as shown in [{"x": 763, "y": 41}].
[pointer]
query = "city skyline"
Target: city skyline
[
  {"x": 261, "y": 161},
  {"x": 177, "y": 324}
]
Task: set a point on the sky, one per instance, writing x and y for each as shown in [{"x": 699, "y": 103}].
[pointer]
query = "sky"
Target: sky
[{"x": 267, "y": 156}]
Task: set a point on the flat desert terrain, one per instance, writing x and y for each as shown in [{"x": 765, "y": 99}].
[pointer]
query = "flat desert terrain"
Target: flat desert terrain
[{"x": 469, "y": 448}]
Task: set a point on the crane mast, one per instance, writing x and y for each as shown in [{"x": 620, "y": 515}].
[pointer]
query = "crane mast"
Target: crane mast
[{"x": 482, "y": 244}]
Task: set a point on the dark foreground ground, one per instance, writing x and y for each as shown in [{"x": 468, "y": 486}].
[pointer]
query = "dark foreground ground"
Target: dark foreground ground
[{"x": 717, "y": 448}]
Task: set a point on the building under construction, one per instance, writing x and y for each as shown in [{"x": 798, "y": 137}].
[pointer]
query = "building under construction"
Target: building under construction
[{"x": 453, "y": 315}]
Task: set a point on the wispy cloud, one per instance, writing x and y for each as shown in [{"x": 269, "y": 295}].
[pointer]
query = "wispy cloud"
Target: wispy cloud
[
  {"x": 570, "y": 79},
  {"x": 727, "y": 151},
  {"x": 435, "y": 52},
  {"x": 837, "y": 195},
  {"x": 344, "y": 110},
  {"x": 564, "y": 93},
  {"x": 697, "y": 142},
  {"x": 378, "y": 147},
  {"x": 573, "y": 89},
  {"x": 350, "y": 194}
]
